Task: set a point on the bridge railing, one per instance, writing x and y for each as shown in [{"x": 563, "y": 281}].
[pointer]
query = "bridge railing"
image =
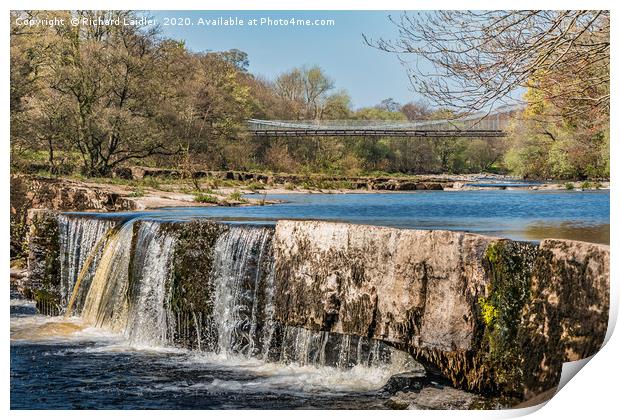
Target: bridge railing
[
  {"x": 497, "y": 121},
  {"x": 491, "y": 123}
]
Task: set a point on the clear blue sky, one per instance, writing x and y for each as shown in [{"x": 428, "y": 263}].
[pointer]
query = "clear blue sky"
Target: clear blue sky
[{"x": 368, "y": 75}]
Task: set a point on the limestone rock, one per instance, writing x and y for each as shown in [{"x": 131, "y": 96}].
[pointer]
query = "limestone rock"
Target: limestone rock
[
  {"x": 64, "y": 195},
  {"x": 493, "y": 315},
  {"x": 566, "y": 318},
  {"x": 402, "y": 286},
  {"x": 44, "y": 260}
]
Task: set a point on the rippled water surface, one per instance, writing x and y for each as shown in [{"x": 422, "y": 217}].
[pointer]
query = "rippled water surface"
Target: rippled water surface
[
  {"x": 516, "y": 214},
  {"x": 64, "y": 364}
]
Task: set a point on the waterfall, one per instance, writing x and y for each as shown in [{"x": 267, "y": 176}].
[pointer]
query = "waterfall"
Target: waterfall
[
  {"x": 237, "y": 273},
  {"x": 105, "y": 304},
  {"x": 131, "y": 286},
  {"x": 108, "y": 298},
  {"x": 77, "y": 237},
  {"x": 321, "y": 348},
  {"x": 128, "y": 290},
  {"x": 149, "y": 322},
  {"x": 243, "y": 311}
]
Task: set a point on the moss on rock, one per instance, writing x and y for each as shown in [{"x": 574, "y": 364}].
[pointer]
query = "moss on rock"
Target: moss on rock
[
  {"x": 567, "y": 314},
  {"x": 509, "y": 268},
  {"x": 190, "y": 289},
  {"x": 44, "y": 260}
]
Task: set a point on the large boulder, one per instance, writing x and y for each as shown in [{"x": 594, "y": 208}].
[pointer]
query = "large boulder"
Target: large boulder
[
  {"x": 567, "y": 314},
  {"x": 471, "y": 305}
]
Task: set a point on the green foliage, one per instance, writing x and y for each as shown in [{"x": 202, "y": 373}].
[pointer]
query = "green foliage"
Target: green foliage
[
  {"x": 550, "y": 141},
  {"x": 489, "y": 312},
  {"x": 205, "y": 198},
  {"x": 150, "y": 182},
  {"x": 122, "y": 94},
  {"x": 305, "y": 92},
  {"x": 569, "y": 186},
  {"x": 375, "y": 113},
  {"x": 137, "y": 192},
  {"x": 236, "y": 196}
]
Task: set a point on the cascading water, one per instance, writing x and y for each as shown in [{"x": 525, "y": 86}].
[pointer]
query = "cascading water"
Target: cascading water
[
  {"x": 128, "y": 288},
  {"x": 131, "y": 290},
  {"x": 105, "y": 304},
  {"x": 78, "y": 236},
  {"x": 238, "y": 257},
  {"x": 149, "y": 322}
]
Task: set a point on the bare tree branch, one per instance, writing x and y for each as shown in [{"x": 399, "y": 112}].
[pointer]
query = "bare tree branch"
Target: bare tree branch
[{"x": 472, "y": 60}]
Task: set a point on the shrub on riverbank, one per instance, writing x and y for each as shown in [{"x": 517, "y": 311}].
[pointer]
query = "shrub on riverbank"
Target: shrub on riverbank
[{"x": 205, "y": 198}]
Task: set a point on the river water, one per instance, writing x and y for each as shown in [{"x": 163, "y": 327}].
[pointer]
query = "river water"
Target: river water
[
  {"x": 59, "y": 363},
  {"x": 515, "y": 214},
  {"x": 111, "y": 357}
]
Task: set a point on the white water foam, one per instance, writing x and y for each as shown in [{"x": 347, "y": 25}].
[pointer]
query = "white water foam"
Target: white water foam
[{"x": 133, "y": 318}]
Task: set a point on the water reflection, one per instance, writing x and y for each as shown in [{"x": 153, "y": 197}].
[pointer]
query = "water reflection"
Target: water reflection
[{"x": 568, "y": 230}]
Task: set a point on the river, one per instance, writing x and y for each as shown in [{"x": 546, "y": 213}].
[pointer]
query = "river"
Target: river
[
  {"x": 515, "y": 214},
  {"x": 67, "y": 363}
]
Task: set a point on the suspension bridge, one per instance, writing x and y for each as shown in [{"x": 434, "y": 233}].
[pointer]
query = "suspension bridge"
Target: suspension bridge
[{"x": 479, "y": 125}]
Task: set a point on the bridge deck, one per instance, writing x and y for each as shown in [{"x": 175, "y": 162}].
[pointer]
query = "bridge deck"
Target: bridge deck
[
  {"x": 303, "y": 132},
  {"x": 472, "y": 126}
]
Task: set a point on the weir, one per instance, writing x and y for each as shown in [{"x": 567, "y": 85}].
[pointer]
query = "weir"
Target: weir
[
  {"x": 130, "y": 284},
  {"x": 335, "y": 294}
]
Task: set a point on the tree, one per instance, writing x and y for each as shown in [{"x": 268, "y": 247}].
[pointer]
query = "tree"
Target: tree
[
  {"x": 109, "y": 91},
  {"x": 337, "y": 107},
  {"x": 557, "y": 147},
  {"x": 31, "y": 127},
  {"x": 389, "y": 105},
  {"x": 289, "y": 87},
  {"x": 237, "y": 58},
  {"x": 306, "y": 91},
  {"x": 222, "y": 105},
  {"x": 265, "y": 102},
  {"x": 416, "y": 111},
  {"x": 473, "y": 60}
]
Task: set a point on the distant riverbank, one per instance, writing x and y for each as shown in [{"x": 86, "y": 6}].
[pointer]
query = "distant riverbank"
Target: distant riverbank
[{"x": 147, "y": 188}]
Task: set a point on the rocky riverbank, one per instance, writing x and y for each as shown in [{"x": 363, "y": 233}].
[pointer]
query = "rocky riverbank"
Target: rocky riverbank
[
  {"x": 62, "y": 194},
  {"x": 309, "y": 182}
]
